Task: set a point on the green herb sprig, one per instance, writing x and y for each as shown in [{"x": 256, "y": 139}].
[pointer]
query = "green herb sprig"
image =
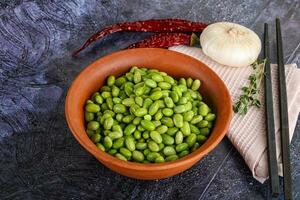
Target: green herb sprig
[{"x": 250, "y": 95}]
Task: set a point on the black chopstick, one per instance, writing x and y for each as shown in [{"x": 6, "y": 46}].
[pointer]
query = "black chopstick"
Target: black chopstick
[
  {"x": 272, "y": 158},
  {"x": 284, "y": 122}
]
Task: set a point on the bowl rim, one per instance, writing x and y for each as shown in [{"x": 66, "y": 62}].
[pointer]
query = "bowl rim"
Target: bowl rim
[{"x": 111, "y": 160}]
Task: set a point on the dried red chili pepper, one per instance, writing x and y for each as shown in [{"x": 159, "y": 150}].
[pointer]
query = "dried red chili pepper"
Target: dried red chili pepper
[
  {"x": 165, "y": 40},
  {"x": 153, "y": 25}
]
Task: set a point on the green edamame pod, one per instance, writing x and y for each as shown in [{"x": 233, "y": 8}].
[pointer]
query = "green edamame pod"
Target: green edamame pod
[
  {"x": 125, "y": 152},
  {"x": 130, "y": 128},
  {"x": 140, "y": 112},
  {"x": 115, "y": 91},
  {"x": 137, "y": 134},
  {"x": 141, "y": 145},
  {"x": 168, "y": 151},
  {"x": 107, "y": 142},
  {"x": 210, "y": 117},
  {"x": 120, "y": 81},
  {"x": 174, "y": 96},
  {"x": 164, "y": 85},
  {"x": 182, "y": 81},
  {"x": 147, "y": 103},
  {"x": 181, "y": 147},
  {"x": 156, "y": 137},
  {"x": 148, "y": 125},
  {"x": 138, "y": 156},
  {"x": 153, "y": 146},
  {"x": 139, "y": 101},
  {"x": 120, "y": 156},
  {"x": 129, "y": 143},
  {"x": 157, "y": 77},
  {"x": 92, "y": 108},
  {"x": 128, "y": 102},
  {"x": 185, "y": 129},
  {"x": 98, "y": 99},
  {"x": 96, "y": 138},
  {"x": 127, "y": 119},
  {"x": 108, "y": 123},
  {"x": 115, "y": 135},
  {"x": 162, "y": 129},
  {"x": 178, "y": 120},
  {"x": 180, "y": 109},
  {"x": 204, "y": 131},
  {"x": 179, "y": 137},
  {"x": 167, "y": 121},
  {"x": 119, "y": 108},
  {"x": 171, "y": 158},
  {"x": 159, "y": 159},
  {"x": 172, "y": 131},
  {"x": 203, "y": 110},
  {"x": 194, "y": 129},
  {"x": 137, "y": 120},
  {"x": 189, "y": 82},
  {"x": 111, "y": 80},
  {"x": 151, "y": 83},
  {"x": 158, "y": 115},
  {"x": 188, "y": 116},
  {"x": 152, "y": 156},
  {"x": 167, "y": 112},
  {"x": 112, "y": 151},
  {"x": 201, "y": 138},
  {"x": 183, "y": 153},
  {"x": 203, "y": 124},
  {"x": 196, "y": 85},
  {"x": 167, "y": 139},
  {"x": 89, "y": 116},
  {"x": 196, "y": 119},
  {"x": 118, "y": 143},
  {"x": 137, "y": 77},
  {"x": 156, "y": 95},
  {"x": 169, "y": 102},
  {"x": 191, "y": 139}
]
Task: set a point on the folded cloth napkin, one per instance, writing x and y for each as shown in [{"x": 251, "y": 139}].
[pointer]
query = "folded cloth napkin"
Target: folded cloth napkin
[{"x": 248, "y": 133}]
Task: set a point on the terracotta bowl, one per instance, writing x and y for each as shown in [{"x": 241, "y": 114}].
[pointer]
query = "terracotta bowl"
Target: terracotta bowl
[{"x": 175, "y": 64}]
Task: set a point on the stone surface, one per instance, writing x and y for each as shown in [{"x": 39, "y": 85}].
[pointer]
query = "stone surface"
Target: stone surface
[{"x": 39, "y": 158}]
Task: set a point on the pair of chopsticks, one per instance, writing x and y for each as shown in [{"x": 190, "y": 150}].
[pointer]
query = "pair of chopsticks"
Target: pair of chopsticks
[{"x": 284, "y": 124}]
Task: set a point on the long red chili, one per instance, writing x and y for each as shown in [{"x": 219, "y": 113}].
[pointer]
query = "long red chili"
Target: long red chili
[
  {"x": 165, "y": 40},
  {"x": 152, "y": 25}
]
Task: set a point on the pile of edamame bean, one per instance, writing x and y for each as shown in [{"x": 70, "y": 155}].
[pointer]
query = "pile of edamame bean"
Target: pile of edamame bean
[{"x": 147, "y": 116}]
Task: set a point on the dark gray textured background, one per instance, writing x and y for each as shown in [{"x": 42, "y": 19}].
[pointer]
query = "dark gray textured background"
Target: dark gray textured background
[{"x": 39, "y": 158}]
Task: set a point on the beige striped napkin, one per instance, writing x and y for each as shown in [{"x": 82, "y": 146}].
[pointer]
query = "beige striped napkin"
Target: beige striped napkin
[{"x": 247, "y": 133}]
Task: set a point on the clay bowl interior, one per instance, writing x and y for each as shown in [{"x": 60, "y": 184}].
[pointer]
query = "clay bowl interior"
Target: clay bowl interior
[{"x": 175, "y": 64}]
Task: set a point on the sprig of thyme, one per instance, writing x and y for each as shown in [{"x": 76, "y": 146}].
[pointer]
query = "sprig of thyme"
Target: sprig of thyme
[{"x": 250, "y": 96}]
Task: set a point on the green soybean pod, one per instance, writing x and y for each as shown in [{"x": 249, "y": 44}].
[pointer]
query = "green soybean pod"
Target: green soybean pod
[
  {"x": 182, "y": 100},
  {"x": 204, "y": 131},
  {"x": 119, "y": 108},
  {"x": 165, "y": 93},
  {"x": 162, "y": 129},
  {"x": 169, "y": 79},
  {"x": 96, "y": 138},
  {"x": 111, "y": 80},
  {"x": 159, "y": 159},
  {"x": 108, "y": 123},
  {"x": 129, "y": 143},
  {"x": 146, "y": 135},
  {"x": 120, "y": 81},
  {"x": 140, "y": 128},
  {"x": 139, "y": 101},
  {"x": 137, "y": 120},
  {"x": 189, "y": 82},
  {"x": 106, "y": 94},
  {"x": 196, "y": 119},
  {"x": 167, "y": 112},
  {"x": 98, "y": 98},
  {"x": 110, "y": 103},
  {"x": 188, "y": 116},
  {"x": 183, "y": 153},
  {"x": 194, "y": 129},
  {"x": 161, "y": 103},
  {"x": 169, "y": 102},
  {"x": 172, "y": 131},
  {"x": 185, "y": 129},
  {"x": 182, "y": 88},
  {"x": 141, "y": 145},
  {"x": 107, "y": 142},
  {"x": 179, "y": 137},
  {"x": 92, "y": 108},
  {"x": 156, "y": 123},
  {"x": 104, "y": 107},
  {"x": 156, "y": 95},
  {"x": 133, "y": 108},
  {"x": 191, "y": 139},
  {"x": 128, "y": 102},
  {"x": 182, "y": 81},
  {"x": 117, "y": 100},
  {"x": 201, "y": 138},
  {"x": 115, "y": 91},
  {"x": 146, "y": 152},
  {"x": 112, "y": 151},
  {"x": 168, "y": 151},
  {"x": 161, "y": 146},
  {"x": 153, "y": 146},
  {"x": 130, "y": 128},
  {"x": 138, "y": 156},
  {"x": 119, "y": 117},
  {"x": 164, "y": 85},
  {"x": 120, "y": 157},
  {"x": 137, "y": 77},
  {"x": 196, "y": 85},
  {"x": 181, "y": 147},
  {"x": 152, "y": 156},
  {"x": 127, "y": 119},
  {"x": 148, "y": 117},
  {"x": 178, "y": 120},
  {"x": 174, "y": 96},
  {"x": 194, "y": 94},
  {"x": 196, "y": 146},
  {"x": 180, "y": 109},
  {"x": 188, "y": 106},
  {"x": 129, "y": 76},
  {"x": 115, "y": 135},
  {"x": 158, "y": 115},
  {"x": 210, "y": 117},
  {"x": 140, "y": 112},
  {"x": 100, "y": 146},
  {"x": 203, "y": 124},
  {"x": 151, "y": 83},
  {"x": 118, "y": 143},
  {"x": 147, "y": 103},
  {"x": 148, "y": 125},
  {"x": 88, "y": 116},
  {"x": 171, "y": 158},
  {"x": 167, "y": 121},
  {"x": 156, "y": 77},
  {"x": 139, "y": 91},
  {"x": 167, "y": 139},
  {"x": 125, "y": 152},
  {"x": 137, "y": 134},
  {"x": 156, "y": 137},
  {"x": 128, "y": 88},
  {"x": 105, "y": 88},
  {"x": 203, "y": 110},
  {"x": 156, "y": 89}
]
